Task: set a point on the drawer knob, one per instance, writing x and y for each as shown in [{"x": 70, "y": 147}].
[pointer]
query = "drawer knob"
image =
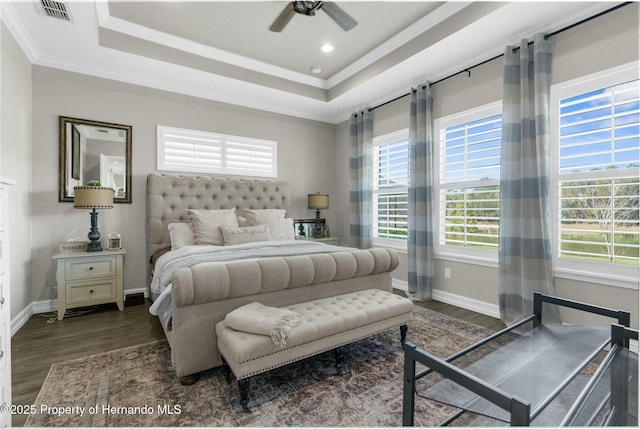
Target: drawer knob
[
  {"x": 91, "y": 291},
  {"x": 90, "y": 268}
]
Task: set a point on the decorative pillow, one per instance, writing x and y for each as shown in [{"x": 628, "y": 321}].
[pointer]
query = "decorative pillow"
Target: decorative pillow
[
  {"x": 181, "y": 235},
  {"x": 279, "y": 227},
  {"x": 206, "y": 224},
  {"x": 245, "y": 234},
  {"x": 258, "y": 217},
  {"x": 285, "y": 230}
]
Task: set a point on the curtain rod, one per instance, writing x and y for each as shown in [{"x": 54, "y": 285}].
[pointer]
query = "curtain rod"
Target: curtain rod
[{"x": 468, "y": 69}]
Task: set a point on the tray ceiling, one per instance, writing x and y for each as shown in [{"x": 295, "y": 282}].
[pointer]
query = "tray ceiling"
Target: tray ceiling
[{"x": 224, "y": 51}]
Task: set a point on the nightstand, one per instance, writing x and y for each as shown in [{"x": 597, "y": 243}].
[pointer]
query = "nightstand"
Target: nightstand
[
  {"x": 89, "y": 278},
  {"x": 326, "y": 240}
]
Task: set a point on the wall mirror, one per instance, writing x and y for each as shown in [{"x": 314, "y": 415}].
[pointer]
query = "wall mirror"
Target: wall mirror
[{"x": 95, "y": 151}]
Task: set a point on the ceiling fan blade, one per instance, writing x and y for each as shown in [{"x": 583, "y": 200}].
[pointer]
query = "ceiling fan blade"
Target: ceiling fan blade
[
  {"x": 283, "y": 19},
  {"x": 341, "y": 17}
]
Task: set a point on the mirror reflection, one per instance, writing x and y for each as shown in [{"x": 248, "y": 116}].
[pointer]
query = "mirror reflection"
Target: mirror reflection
[{"x": 95, "y": 152}]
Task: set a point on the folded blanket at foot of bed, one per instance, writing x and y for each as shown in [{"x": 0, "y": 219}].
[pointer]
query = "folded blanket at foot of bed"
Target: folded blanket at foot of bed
[{"x": 256, "y": 318}]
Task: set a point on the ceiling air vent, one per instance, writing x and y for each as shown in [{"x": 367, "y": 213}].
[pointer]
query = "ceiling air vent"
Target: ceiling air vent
[{"x": 54, "y": 9}]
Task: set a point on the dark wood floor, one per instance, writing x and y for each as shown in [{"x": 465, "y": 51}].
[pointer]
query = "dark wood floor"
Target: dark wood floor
[{"x": 38, "y": 344}]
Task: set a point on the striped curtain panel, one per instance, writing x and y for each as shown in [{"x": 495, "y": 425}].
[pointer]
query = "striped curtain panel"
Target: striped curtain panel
[
  {"x": 525, "y": 255},
  {"x": 361, "y": 180},
  {"x": 421, "y": 258}
]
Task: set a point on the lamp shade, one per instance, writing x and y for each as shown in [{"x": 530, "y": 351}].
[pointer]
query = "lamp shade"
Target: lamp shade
[
  {"x": 318, "y": 201},
  {"x": 92, "y": 197}
]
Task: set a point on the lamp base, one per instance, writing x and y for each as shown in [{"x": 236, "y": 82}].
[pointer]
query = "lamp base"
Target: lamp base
[
  {"x": 318, "y": 228},
  {"x": 94, "y": 246},
  {"x": 94, "y": 235}
]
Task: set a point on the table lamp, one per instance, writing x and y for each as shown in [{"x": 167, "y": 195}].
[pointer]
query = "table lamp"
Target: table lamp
[
  {"x": 318, "y": 201},
  {"x": 93, "y": 197}
]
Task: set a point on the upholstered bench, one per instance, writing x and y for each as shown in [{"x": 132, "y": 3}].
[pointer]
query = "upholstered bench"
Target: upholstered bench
[{"x": 327, "y": 324}]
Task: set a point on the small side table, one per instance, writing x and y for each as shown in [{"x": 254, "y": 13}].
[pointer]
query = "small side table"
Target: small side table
[
  {"x": 89, "y": 278},
  {"x": 326, "y": 240}
]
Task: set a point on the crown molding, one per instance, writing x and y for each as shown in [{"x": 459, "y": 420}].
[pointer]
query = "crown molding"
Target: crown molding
[{"x": 13, "y": 23}]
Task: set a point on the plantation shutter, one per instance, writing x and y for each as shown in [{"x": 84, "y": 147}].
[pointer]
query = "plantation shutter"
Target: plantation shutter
[
  {"x": 391, "y": 163},
  {"x": 186, "y": 150},
  {"x": 472, "y": 151},
  {"x": 470, "y": 183},
  {"x": 598, "y": 166},
  {"x": 203, "y": 152},
  {"x": 250, "y": 156}
]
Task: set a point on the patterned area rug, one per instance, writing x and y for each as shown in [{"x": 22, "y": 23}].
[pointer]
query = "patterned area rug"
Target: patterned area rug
[{"x": 135, "y": 386}]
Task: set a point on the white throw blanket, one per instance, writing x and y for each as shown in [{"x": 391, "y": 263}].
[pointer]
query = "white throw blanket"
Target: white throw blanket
[{"x": 256, "y": 318}]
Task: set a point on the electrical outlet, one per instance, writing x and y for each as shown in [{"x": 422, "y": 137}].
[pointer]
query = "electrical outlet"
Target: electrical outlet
[{"x": 447, "y": 273}]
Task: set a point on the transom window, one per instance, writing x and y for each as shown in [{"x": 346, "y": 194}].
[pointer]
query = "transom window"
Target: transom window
[{"x": 204, "y": 152}]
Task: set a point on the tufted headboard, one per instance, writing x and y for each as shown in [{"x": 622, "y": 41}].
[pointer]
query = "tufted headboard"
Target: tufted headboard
[{"x": 169, "y": 196}]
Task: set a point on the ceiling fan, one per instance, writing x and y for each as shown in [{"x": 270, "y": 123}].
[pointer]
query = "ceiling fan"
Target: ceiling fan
[{"x": 309, "y": 8}]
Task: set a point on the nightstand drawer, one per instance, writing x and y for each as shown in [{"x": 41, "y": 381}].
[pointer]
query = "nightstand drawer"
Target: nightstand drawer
[
  {"x": 89, "y": 278},
  {"x": 90, "y": 268},
  {"x": 91, "y": 292}
]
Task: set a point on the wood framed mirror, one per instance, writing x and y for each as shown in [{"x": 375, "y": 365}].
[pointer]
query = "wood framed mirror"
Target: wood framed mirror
[{"x": 93, "y": 151}]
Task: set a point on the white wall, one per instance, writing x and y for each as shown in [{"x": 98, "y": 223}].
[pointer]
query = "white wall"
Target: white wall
[
  {"x": 603, "y": 43},
  {"x": 306, "y": 160},
  {"x": 15, "y": 162}
]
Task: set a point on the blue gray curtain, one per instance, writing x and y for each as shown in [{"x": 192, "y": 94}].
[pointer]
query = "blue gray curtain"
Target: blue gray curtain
[
  {"x": 361, "y": 180},
  {"x": 525, "y": 255},
  {"x": 421, "y": 257}
]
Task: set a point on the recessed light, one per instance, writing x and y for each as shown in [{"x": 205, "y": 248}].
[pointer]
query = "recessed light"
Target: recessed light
[
  {"x": 316, "y": 69},
  {"x": 327, "y": 47}
]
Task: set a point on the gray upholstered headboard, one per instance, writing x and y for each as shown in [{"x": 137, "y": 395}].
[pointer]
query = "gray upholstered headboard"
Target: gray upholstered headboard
[{"x": 169, "y": 196}]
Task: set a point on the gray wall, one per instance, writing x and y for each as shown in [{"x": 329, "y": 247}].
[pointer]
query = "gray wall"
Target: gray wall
[
  {"x": 585, "y": 49},
  {"x": 312, "y": 156},
  {"x": 305, "y": 159},
  {"x": 15, "y": 163}
]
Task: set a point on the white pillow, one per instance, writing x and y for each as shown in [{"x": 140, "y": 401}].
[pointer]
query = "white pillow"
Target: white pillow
[
  {"x": 279, "y": 227},
  {"x": 285, "y": 230},
  {"x": 257, "y": 217},
  {"x": 206, "y": 224},
  {"x": 245, "y": 234},
  {"x": 181, "y": 235}
]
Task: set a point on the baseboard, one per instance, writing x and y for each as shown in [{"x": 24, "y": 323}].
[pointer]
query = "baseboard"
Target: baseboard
[
  {"x": 51, "y": 306},
  {"x": 471, "y": 304}
]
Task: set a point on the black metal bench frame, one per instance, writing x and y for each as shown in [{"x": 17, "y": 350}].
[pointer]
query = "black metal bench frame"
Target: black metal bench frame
[
  {"x": 620, "y": 389},
  {"x": 519, "y": 409}
]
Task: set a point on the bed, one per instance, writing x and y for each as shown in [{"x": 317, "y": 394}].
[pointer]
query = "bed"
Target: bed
[{"x": 235, "y": 259}]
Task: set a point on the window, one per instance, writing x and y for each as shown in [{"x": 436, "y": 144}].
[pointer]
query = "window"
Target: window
[
  {"x": 597, "y": 176},
  {"x": 204, "y": 152},
  {"x": 468, "y": 184},
  {"x": 390, "y": 187}
]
